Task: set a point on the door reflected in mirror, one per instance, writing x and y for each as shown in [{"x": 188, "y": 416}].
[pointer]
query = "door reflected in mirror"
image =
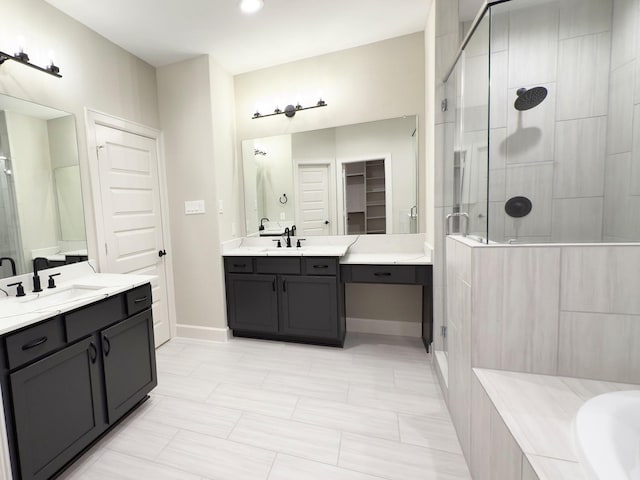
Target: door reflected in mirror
[
  {"x": 41, "y": 212},
  {"x": 354, "y": 179}
]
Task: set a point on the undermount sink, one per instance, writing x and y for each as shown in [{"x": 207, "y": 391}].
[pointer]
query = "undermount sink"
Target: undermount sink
[{"x": 58, "y": 296}]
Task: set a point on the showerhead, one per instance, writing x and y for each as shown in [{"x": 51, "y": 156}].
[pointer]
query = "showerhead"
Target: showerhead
[{"x": 528, "y": 99}]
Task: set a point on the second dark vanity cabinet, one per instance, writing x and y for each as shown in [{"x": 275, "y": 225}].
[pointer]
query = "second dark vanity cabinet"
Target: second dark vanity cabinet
[
  {"x": 286, "y": 298},
  {"x": 68, "y": 379}
]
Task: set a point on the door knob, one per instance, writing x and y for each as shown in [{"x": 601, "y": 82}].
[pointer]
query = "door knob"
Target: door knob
[
  {"x": 326, "y": 222},
  {"x": 162, "y": 253}
]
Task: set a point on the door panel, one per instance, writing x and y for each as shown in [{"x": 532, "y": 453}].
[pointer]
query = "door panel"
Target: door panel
[
  {"x": 309, "y": 306},
  {"x": 132, "y": 217},
  {"x": 129, "y": 369},
  {"x": 313, "y": 206},
  {"x": 58, "y": 408},
  {"x": 253, "y": 303}
]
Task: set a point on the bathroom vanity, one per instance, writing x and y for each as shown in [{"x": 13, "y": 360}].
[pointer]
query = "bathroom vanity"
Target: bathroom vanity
[
  {"x": 286, "y": 294},
  {"x": 73, "y": 362},
  {"x": 298, "y": 294}
]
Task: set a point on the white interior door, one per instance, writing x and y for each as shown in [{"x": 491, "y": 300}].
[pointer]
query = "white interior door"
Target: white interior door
[
  {"x": 313, "y": 205},
  {"x": 132, "y": 217}
]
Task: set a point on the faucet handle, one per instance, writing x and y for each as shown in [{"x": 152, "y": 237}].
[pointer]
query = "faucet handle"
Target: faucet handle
[
  {"x": 19, "y": 289},
  {"x": 279, "y": 243},
  {"x": 52, "y": 282},
  {"x": 298, "y": 245}
]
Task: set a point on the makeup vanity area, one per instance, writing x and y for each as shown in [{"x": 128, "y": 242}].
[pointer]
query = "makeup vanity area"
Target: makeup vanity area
[
  {"x": 298, "y": 294},
  {"x": 352, "y": 192}
]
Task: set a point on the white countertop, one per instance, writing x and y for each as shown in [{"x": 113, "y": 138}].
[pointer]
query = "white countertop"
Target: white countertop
[
  {"x": 405, "y": 249},
  {"x": 75, "y": 288}
]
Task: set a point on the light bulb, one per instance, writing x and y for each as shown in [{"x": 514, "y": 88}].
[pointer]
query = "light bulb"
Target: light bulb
[{"x": 251, "y": 6}]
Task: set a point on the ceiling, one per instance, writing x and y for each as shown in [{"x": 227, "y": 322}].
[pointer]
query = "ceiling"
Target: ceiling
[{"x": 162, "y": 32}]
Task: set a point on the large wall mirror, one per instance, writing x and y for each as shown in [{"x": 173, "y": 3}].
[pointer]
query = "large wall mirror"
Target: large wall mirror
[
  {"x": 41, "y": 211},
  {"x": 354, "y": 179}
]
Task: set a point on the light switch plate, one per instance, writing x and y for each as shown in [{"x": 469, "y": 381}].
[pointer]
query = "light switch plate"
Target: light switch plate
[{"x": 194, "y": 207}]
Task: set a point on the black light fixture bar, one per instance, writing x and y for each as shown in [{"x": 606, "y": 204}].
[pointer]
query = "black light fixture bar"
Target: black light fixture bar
[
  {"x": 23, "y": 58},
  {"x": 289, "y": 110}
]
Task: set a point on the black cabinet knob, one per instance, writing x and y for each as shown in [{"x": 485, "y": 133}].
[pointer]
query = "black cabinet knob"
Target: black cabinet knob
[{"x": 162, "y": 253}]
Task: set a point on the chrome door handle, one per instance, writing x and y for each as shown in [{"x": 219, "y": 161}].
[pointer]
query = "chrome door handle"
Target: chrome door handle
[{"x": 447, "y": 223}]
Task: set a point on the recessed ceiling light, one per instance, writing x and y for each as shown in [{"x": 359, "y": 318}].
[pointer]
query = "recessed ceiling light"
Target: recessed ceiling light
[{"x": 251, "y": 6}]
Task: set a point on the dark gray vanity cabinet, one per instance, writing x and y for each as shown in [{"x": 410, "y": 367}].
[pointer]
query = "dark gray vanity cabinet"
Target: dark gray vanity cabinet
[
  {"x": 57, "y": 408},
  {"x": 309, "y": 306},
  {"x": 128, "y": 353},
  {"x": 254, "y": 302},
  {"x": 68, "y": 379},
  {"x": 286, "y": 298}
]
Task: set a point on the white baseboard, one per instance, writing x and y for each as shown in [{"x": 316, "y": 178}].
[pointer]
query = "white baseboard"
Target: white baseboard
[
  {"x": 203, "y": 333},
  {"x": 384, "y": 327}
]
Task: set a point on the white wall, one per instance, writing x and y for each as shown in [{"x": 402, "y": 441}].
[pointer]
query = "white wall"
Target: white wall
[
  {"x": 186, "y": 92},
  {"x": 96, "y": 74}
]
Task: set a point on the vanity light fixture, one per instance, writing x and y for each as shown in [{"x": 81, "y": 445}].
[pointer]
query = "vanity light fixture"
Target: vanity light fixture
[
  {"x": 290, "y": 110},
  {"x": 22, "y": 57},
  {"x": 251, "y": 6}
]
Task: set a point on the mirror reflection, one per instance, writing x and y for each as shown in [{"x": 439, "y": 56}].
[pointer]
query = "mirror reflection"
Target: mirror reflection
[
  {"x": 41, "y": 211},
  {"x": 355, "y": 179}
]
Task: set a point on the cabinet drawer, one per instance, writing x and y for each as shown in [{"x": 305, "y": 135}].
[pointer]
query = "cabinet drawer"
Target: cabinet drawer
[
  {"x": 278, "y": 265},
  {"x": 402, "y": 274},
  {"x": 238, "y": 264},
  {"x": 92, "y": 318},
  {"x": 320, "y": 265},
  {"x": 138, "y": 299},
  {"x": 35, "y": 341}
]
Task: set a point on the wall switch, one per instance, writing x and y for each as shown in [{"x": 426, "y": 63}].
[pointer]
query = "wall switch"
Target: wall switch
[
  {"x": 194, "y": 207},
  {"x": 282, "y": 216}
]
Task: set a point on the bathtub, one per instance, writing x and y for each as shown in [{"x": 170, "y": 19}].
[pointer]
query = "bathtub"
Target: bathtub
[{"x": 607, "y": 431}]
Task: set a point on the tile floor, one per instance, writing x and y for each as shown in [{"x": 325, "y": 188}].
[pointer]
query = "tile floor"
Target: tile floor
[{"x": 260, "y": 410}]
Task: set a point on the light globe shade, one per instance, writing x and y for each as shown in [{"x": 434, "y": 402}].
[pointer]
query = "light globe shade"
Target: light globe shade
[{"x": 251, "y": 6}]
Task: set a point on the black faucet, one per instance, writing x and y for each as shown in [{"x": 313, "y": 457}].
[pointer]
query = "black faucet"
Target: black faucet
[
  {"x": 262, "y": 220},
  {"x": 36, "y": 279},
  {"x": 293, "y": 230},
  {"x": 287, "y": 232},
  {"x": 12, "y": 262}
]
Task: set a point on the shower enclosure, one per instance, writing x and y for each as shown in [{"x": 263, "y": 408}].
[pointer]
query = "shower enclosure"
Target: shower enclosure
[{"x": 543, "y": 110}]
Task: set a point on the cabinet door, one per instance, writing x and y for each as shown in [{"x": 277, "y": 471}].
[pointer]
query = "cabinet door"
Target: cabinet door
[
  {"x": 309, "y": 306},
  {"x": 58, "y": 408},
  {"x": 129, "y": 363},
  {"x": 252, "y": 303}
]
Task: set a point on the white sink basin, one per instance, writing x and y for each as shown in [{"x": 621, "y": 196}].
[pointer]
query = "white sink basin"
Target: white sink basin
[{"x": 53, "y": 297}]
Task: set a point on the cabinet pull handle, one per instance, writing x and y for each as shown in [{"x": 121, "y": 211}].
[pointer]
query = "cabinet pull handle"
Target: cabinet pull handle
[
  {"x": 106, "y": 345},
  {"x": 141, "y": 299},
  {"x": 34, "y": 344},
  {"x": 240, "y": 265},
  {"x": 93, "y": 352},
  {"x": 382, "y": 274},
  {"x": 321, "y": 266},
  {"x": 284, "y": 285},
  {"x": 273, "y": 285}
]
